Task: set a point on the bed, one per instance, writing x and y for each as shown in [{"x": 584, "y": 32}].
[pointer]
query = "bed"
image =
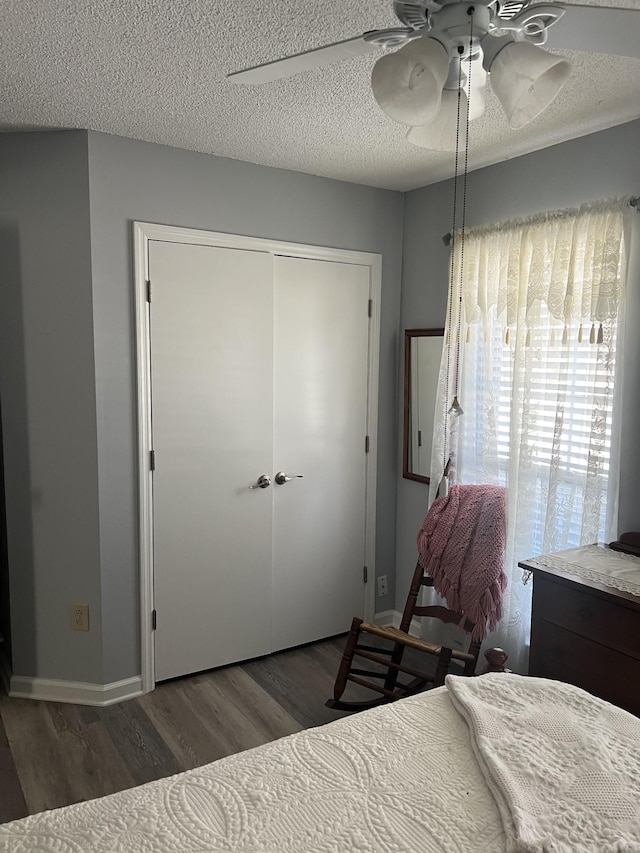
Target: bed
[{"x": 489, "y": 764}]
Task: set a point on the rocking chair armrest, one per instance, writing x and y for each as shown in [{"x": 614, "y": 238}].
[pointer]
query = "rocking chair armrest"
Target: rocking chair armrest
[{"x": 398, "y": 636}]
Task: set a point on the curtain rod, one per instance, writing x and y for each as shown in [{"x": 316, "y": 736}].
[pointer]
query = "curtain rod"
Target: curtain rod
[{"x": 633, "y": 202}]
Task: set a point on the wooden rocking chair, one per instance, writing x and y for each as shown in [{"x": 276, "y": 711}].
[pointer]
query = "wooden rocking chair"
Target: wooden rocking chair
[{"x": 384, "y": 682}]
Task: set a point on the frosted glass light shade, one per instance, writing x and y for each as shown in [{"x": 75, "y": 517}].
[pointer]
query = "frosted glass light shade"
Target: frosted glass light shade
[
  {"x": 526, "y": 79},
  {"x": 440, "y": 134},
  {"x": 477, "y": 92},
  {"x": 408, "y": 84}
]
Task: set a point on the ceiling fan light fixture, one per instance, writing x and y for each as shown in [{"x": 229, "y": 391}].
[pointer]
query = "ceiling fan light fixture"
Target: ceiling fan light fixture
[
  {"x": 526, "y": 79},
  {"x": 440, "y": 134},
  {"x": 408, "y": 83}
]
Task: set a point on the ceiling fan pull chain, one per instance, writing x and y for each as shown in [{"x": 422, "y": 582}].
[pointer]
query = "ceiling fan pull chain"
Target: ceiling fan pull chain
[
  {"x": 456, "y": 387},
  {"x": 450, "y": 333}
]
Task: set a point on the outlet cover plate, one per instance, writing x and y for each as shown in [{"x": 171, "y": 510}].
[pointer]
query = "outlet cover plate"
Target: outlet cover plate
[
  {"x": 80, "y": 617},
  {"x": 383, "y": 587}
]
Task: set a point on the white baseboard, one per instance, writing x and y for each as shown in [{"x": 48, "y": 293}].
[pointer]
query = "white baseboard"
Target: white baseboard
[
  {"x": 387, "y": 619},
  {"x": 392, "y": 619},
  {"x": 75, "y": 692}
]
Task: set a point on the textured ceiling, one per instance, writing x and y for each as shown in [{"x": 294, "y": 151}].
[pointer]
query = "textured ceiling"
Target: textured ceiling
[{"x": 154, "y": 70}]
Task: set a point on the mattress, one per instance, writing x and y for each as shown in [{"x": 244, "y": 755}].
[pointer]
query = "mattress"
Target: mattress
[{"x": 401, "y": 777}]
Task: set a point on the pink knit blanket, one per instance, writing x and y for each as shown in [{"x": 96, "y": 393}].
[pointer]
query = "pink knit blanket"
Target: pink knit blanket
[{"x": 461, "y": 546}]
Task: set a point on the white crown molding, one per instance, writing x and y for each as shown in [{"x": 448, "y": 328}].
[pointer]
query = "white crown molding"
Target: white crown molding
[{"x": 74, "y": 692}]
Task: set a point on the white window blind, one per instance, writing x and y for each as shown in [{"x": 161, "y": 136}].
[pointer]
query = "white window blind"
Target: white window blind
[{"x": 568, "y": 382}]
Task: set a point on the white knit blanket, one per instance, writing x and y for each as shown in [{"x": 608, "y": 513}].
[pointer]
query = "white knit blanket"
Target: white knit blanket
[{"x": 563, "y": 767}]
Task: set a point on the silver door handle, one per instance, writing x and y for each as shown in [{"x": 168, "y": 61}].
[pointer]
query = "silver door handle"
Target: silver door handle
[
  {"x": 281, "y": 478},
  {"x": 263, "y": 482}
]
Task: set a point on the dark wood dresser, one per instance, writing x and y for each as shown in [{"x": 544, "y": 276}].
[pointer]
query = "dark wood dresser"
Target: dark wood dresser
[{"x": 585, "y": 633}]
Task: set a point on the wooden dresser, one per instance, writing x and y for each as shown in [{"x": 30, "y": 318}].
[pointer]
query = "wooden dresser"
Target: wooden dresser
[{"x": 585, "y": 633}]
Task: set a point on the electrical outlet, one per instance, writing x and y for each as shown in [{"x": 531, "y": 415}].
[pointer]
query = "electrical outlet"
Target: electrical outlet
[
  {"x": 80, "y": 617},
  {"x": 383, "y": 589}
]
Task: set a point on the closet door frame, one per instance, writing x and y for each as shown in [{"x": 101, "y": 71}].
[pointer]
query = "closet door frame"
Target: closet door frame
[{"x": 143, "y": 233}]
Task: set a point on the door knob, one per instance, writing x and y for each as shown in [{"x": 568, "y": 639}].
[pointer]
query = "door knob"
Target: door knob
[
  {"x": 281, "y": 478},
  {"x": 263, "y": 482}
]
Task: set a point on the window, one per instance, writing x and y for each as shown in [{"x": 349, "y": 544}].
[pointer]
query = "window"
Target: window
[
  {"x": 533, "y": 314},
  {"x": 568, "y": 419}
]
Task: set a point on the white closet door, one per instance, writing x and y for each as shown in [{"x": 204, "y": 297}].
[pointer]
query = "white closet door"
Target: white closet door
[
  {"x": 320, "y": 404},
  {"x": 212, "y": 403}
]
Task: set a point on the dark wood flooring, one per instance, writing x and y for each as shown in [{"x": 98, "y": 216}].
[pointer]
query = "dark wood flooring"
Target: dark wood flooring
[{"x": 54, "y": 754}]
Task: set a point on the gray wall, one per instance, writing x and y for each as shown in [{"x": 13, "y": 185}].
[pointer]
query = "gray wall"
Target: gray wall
[
  {"x": 5, "y": 586},
  {"x": 67, "y": 201},
  {"x": 598, "y": 166},
  {"x": 47, "y": 388},
  {"x": 67, "y": 371},
  {"x": 138, "y": 181}
]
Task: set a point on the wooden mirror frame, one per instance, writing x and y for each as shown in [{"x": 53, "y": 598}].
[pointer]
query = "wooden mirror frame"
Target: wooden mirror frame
[{"x": 409, "y": 334}]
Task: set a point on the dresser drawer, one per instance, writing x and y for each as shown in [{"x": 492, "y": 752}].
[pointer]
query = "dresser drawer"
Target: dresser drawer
[
  {"x": 565, "y": 656},
  {"x": 584, "y": 613}
]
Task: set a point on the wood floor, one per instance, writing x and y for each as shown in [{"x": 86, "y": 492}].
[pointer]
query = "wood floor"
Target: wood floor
[{"x": 54, "y": 754}]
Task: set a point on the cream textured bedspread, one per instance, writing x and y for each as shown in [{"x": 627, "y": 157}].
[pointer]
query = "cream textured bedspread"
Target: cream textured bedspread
[
  {"x": 493, "y": 764},
  {"x": 397, "y": 778}
]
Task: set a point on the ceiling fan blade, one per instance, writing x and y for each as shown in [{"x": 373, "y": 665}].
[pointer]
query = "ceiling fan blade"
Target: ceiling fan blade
[
  {"x": 304, "y": 61},
  {"x": 597, "y": 29}
]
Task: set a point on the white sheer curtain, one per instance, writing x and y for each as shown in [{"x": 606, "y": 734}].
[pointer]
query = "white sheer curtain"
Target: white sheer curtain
[{"x": 536, "y": 312}]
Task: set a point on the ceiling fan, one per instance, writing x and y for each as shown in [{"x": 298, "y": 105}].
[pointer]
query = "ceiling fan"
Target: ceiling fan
[{"x": 420, "y": 83}]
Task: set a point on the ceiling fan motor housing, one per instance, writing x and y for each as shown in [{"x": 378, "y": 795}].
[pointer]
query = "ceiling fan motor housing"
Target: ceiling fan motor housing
[{"x": 461, "y": 25}]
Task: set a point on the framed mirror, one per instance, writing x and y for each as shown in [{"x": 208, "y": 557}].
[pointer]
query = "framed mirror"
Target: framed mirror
[{"x": 422, "y": 353}]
